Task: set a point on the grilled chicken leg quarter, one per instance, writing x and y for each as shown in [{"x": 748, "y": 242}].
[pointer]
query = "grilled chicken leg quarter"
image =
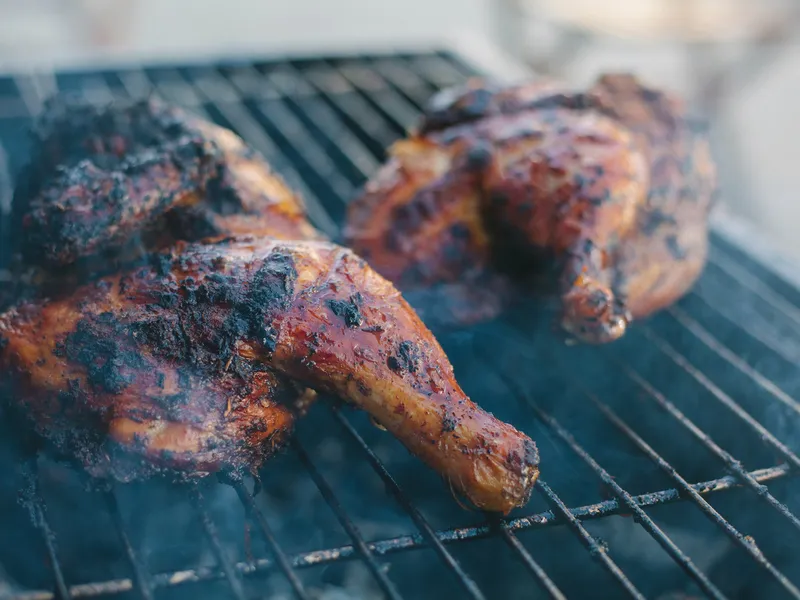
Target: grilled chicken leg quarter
[
  {"x": 610, "y": 189},
  {"x": 198, "y": 360}
]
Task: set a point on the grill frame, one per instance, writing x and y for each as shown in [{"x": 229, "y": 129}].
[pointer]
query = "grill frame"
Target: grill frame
[{"x": 389, "y": 100}]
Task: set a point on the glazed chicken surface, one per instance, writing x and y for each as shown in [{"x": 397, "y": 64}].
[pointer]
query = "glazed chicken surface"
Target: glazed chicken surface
[
  {"x": 201, "y": 353},
  {"x": 605, "y": 193}
]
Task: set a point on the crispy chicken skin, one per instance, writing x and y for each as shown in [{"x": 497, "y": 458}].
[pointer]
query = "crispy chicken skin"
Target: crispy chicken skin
[
  {"x": 195, "y": 360},
  {"x": 198, "y": 355},
  {"x": 609, "y": 190}
]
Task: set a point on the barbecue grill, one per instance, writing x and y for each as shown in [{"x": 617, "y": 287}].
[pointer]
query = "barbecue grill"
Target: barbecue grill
[{"x": 668, "y": 458}]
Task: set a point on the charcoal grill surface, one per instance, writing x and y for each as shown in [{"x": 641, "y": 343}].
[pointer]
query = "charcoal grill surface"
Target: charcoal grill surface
[{"x": 667, "y": 458}]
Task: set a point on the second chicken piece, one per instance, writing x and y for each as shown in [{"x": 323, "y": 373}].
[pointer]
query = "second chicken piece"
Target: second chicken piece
[{"x": 606, "y": 193}]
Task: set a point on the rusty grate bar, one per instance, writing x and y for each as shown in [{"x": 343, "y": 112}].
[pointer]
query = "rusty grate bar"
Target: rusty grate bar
[
  {"x": 177, "y": 89},
  {"x": 419, "y": 520},
  {"x": 713, "y": 344},
  {"x": 624, "y": 497},
  {"x": 280, "y": 556},
  {"x": 140, "y": 575},
  {"x": 405, "y": 543},
  {"x": 734, "y": 466},
  {"x": 347, "y": 523},
  {"x": 744, "y": 542},
  {"x": 530, "y": 563},
  {"x": 765, "y": 436},
  {"x": 232, "y": 575},
  {"x": 39, "y": 509},
  {"x": 597, "y": 550}
]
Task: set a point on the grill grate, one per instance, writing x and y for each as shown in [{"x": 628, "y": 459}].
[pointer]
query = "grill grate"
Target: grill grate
[{"x": 703, "y": 392}]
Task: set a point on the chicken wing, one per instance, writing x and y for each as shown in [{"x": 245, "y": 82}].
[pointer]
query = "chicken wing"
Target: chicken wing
[{"x": 606, "y": 192}]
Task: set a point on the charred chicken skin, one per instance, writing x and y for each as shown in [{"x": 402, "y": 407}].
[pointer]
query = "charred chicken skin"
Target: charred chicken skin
[
  {"x": 200, "y": 359},
  {"x": 608, "y": 189},
  {"x": 139, "y": 176}
]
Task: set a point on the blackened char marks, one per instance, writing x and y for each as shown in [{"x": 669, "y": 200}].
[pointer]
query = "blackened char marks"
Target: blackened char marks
[
  {"x": 449, "y": 423},
  {"x": 674, "y": 247},
  {"x": 349, "y": 310},
  {"x": 653, "y": 220},
  {"x": 271, "y": 292},
  {"x": 479, "y": 156},
  {"x": 163, "y": 335},
  {"x": 273, "y": 285},
  {"x": 461, "y": 105},
  {"x": 529, "y": 457},
  {"x": 405, "y": 359},
  {"x": 103, "y": 346},
  {"x": 162, "y": 263},
  {"x": 456, "y": 105},
  {"x": 98, "y": 174},
  {"x": 72, "y": 397},
  {"x": 192, "y": 223}
]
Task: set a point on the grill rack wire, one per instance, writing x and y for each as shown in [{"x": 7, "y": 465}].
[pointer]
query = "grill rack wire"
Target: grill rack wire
[{"x": 333, "y": 112}]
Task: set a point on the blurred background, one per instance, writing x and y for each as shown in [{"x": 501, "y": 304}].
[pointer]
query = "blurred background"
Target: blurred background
[{"x": 739, "y": 60}]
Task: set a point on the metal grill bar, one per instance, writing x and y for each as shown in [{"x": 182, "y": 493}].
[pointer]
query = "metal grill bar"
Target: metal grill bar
[
  {"x": 248, "y": 118},
  {"x": 784, "y": 348},
  {"x": 140, "y": 575},
  {"x": 419, "y": 520},
  {"x": 405, "y": 81},
  {"x": 347, "y": 523},
  {"x": 294, "y": 132},
  {"x": 755, "y": 285},
  {"x": 40, "y": 515},
  {"x": 596, "y": 550},
  {"x": 412, "y": 542},
  {"x": 439, "y": 71},
  {"x": 731, "y": 463},
  {"x": 220, "y": 92},
  {"x": 708, "y": 340},
  {"x": 639, "y": 515},
  {"x": 361, "y": 115},
  {"x": 522, "y": 552},
  {"x": 231, "y": 574},
  {"x": 744, "y": 542},
  {"x": 398, "y": 110},
  {"x": 137, "y": 85},
  {"x": 280, "y": 556},
  {"x": 727, "y": 401},
  {"x": 321, "y": 116},
  {"x": 738, "y": 538},
  {"x": 6, "y": 195}
]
